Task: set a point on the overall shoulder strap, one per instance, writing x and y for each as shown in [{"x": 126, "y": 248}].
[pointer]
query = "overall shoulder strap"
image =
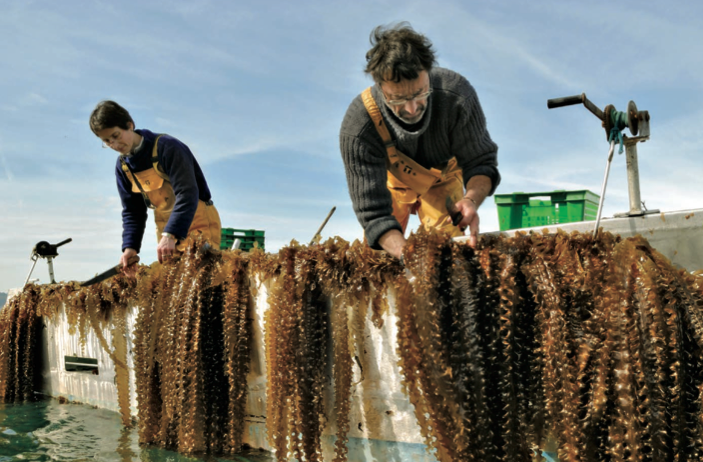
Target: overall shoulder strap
[
  {"x": 155, "y": 161},
  {"x": 133, "y": 178},
  {"x": 378, "y": 122},
  {"x": 126, "y": 169}
]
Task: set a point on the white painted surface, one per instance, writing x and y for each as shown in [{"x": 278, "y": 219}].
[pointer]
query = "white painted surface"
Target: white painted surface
[
  {"x": 677, "y": 235},
  {"x": 84, "y": 387},
  {"x": 383, "y": 425}
]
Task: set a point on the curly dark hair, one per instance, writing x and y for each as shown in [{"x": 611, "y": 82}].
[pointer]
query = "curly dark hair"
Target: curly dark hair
[
  {"x": 398, "y": 53},
  {"x": 108, "y": 114}
]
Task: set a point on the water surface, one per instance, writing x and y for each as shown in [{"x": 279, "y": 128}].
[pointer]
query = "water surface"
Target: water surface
[{"x": 47, "y": 431}]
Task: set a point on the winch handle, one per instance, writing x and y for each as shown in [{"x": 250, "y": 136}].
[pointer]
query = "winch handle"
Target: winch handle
[
  {"x": 564, "y": 101},
  {"x": 576, "y": 99},
  {"x": 63, "y": 242}
]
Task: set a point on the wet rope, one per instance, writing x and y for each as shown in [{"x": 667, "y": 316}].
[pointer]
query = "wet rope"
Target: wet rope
[{"x": 619, "y": 120}]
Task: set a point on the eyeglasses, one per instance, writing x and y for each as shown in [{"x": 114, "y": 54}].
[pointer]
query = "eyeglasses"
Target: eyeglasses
[{"x": 402, "y": 102}]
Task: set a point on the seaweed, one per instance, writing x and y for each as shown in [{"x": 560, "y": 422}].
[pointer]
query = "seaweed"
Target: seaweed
[{"x": 593, "y": 346}]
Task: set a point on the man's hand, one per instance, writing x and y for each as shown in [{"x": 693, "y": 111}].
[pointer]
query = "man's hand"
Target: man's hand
[
  {"x": 477, "y": 188},
  {"x": 469, "y": 213},
  {"x": 129, "y": 271},
  {"x": 166, "y": 247},
  {"x": 392, "y": 241}
]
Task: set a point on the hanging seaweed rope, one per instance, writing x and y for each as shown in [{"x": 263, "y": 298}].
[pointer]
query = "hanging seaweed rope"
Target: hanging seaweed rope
[
  {"x": 613, "y": 371},
  {"x": 296, "y": 353},
  {"x": 191, "y": 346},
  {"x": 595, "y": 345}
]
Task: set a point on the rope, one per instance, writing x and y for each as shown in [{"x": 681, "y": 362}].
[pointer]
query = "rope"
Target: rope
[{"x": 619, "y": 120}]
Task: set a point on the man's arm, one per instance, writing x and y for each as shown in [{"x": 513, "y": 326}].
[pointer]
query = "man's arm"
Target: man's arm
[
  {"x": 477, "y": 189},
  {"x": 365, "y": 168},
  {"x": 475, "y": 151},
  {"x": 477, "y": 156}
]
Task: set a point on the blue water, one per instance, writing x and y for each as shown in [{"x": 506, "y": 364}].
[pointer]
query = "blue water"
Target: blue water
[{"x": 47, "y": 431}]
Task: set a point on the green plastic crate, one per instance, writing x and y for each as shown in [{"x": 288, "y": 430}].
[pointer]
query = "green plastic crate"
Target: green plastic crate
[
  {"x": 242, "y": 232},
  {"x": 526, "y": 210},
  {"x": 248, "y": 238}
]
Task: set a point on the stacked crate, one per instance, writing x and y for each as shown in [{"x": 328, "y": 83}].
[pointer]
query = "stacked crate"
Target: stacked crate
[
  {"x": 249, "y": 238},
  {"x": 526, "y": 210}
]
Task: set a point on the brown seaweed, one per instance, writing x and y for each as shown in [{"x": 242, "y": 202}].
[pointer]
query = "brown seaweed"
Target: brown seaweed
[{"x": 593, "y": 344}]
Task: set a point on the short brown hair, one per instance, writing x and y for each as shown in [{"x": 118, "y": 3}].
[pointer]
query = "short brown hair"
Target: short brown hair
[
  {"x": 398, "y": 53},
  {"x": 108, "y": 114}
]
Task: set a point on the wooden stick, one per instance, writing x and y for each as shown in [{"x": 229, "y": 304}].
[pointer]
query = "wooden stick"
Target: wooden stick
[{"x": 312, "y": 241}]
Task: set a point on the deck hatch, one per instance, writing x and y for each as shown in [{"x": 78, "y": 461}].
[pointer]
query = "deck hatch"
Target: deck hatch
[{"x": 79, "y": 364}]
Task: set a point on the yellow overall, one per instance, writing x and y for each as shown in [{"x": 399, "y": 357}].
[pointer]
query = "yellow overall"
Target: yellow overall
[
  {"x": 413, "y": 188},
  {"x": 157, "y": 187}
]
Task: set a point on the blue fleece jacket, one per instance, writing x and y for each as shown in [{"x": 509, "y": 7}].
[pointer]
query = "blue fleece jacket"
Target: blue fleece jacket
[{"x": 187, "y": 181}]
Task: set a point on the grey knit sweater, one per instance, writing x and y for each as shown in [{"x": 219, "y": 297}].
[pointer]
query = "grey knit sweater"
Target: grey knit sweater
[{"x": 453, "y": 126}]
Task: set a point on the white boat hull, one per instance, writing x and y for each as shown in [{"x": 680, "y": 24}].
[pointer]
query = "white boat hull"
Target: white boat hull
[{"x": 382, "y": 421}]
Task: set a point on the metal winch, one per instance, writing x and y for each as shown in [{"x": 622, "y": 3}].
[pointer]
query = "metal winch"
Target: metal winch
[
  {"x": 45, "y": 250},
  {"x": 614, "y": 122}
]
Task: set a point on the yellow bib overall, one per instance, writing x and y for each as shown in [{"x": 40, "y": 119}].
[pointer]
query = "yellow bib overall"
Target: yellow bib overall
[
  {"x": 157, "y": 187},
  {"x": 413, "y": 188}
]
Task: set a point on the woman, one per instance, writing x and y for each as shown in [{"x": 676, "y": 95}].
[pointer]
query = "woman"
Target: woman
[{"x": 158, "y": 172}]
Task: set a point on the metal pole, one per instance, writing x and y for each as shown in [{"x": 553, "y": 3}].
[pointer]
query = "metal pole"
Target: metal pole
[
  {"x": 605, "y": 183},
  {"x": 34, "y": 258},
  {"x": 50, "y": 261},
  {"x": 633, "y": 178}
]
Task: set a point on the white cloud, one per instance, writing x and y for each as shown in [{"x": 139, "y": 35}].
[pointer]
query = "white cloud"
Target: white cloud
[
  {"x": 35, "y": 98},
  {"x": 165, "y": 123},
  {"x": 8, "y": 172}
]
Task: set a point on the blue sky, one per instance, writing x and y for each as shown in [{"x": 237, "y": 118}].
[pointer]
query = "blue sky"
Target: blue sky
[{"x": 258, "y": 91}]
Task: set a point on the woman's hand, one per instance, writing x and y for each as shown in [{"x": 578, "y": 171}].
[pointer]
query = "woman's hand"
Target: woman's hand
[
  {"x": 166, "y": 247},
  {"x": 127, "y": 269}
]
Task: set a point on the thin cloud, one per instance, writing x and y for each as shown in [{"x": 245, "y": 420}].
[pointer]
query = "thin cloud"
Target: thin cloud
[
  {"x": 262, "y": 87},
  {"x": 164, "y": 122},
  {"x": 35, "y": 98},
  {"x": 493, "y": 44},
  {"x": 6, "y": 169}
]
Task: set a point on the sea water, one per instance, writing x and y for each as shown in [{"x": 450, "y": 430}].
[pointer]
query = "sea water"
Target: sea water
[{"x": 47, "y": 430}]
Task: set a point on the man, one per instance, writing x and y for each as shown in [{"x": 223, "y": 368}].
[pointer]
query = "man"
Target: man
[
  {"x": 157, "y": 172},
  {"x": 415, "y": 138}
]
